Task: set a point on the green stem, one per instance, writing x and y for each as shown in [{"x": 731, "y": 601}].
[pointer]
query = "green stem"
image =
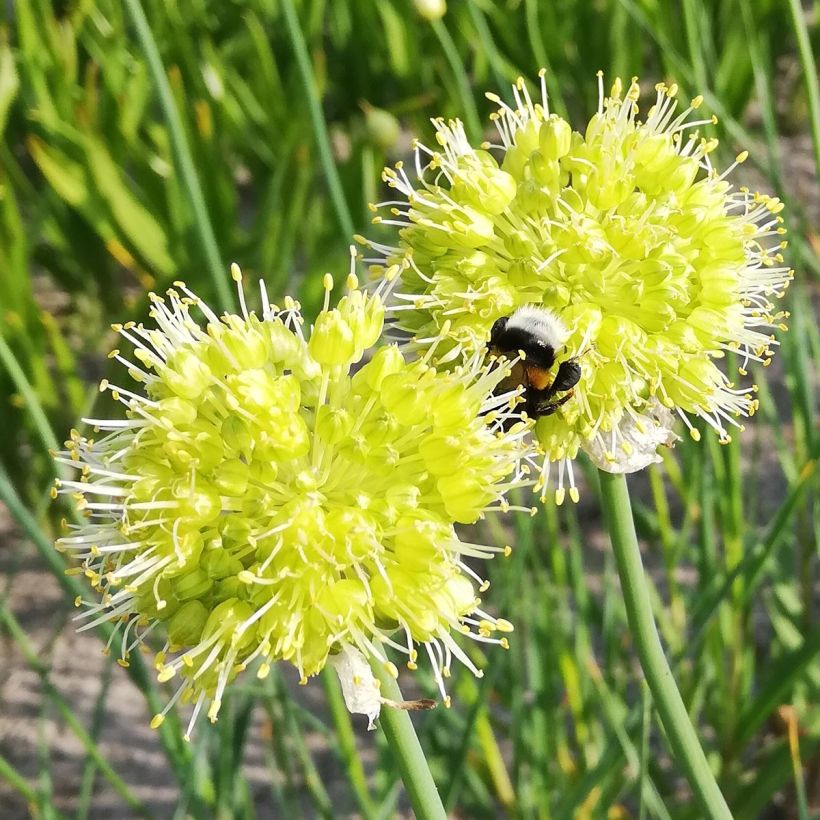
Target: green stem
[
  {"x": 30, "y": 397},
  {"x": 17, "y": 781},
  {"x": 182, "y": 156},
  {"x": 407, "y": 751},
  {"x": 680, "y": 733},
  {"x": 334, "y": 183},
  {"x": 804, "y": 49},
  {"x": 468, "y": 106}
]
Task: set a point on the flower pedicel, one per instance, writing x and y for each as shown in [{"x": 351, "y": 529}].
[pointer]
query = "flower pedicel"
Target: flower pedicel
[
  {"x": 260, "y": 501},
  {"x": 650, "y": 261}
]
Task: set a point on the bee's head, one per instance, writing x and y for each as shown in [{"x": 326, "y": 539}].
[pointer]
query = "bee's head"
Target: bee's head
[
  {"x": 497, "y": 331},
  {"x": 529, "y": 331}
]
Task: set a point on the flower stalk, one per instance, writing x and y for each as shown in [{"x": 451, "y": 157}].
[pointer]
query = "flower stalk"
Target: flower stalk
[
  {"x": 680, "y": 732},
  {"x": 407, "y": 751}
]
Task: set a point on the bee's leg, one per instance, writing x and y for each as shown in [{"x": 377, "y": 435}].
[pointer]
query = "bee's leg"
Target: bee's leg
[
  {"x": 568, "y": 375},
  {"x": 546, "y": 405}
]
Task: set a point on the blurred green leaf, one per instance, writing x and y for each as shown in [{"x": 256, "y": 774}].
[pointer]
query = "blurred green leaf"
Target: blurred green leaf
[
  {"x": 9, "y": 80},
  {"x": 142, "y": 230}
]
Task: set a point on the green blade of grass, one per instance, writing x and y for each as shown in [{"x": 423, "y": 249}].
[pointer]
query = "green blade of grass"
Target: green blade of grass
[
  {"x": 97, "y": 719},
  {"x": 772, "y": 774},
  {"x": 33, "y": 404},
  {"x": 804, "y": 50},
  {"x": 323, "y": 806},
  {"x": 467, "y": 101},
  {"x": 182, "y": 156},
  {"x": 17, "y": 781},
  {"x": 317, "y": 118},
  {"x": 346, "y": 740},
  {"x": 486, "y": 39},
  {"x": 775, "y": 690}
]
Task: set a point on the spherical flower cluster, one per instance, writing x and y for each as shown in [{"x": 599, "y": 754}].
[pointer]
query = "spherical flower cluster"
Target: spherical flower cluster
[
  {"x": 261, "y": 501},
  {"x": 655, "y": 264}
]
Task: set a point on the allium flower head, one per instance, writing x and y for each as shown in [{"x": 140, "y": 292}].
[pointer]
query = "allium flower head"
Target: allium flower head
[
  {"x": 651, "y": 259},
  {"x": 262, "y": 501}
]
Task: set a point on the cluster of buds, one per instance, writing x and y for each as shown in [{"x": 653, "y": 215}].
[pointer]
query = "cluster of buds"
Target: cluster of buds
[
  {"x": 269, "y": 496},
  {"x": 625, "y": 232}
]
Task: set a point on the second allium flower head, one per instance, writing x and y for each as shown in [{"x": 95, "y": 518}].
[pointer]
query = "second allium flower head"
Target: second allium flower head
[
  {"x": 263, "y": 501},
  {"x": 652, "y": 261}
]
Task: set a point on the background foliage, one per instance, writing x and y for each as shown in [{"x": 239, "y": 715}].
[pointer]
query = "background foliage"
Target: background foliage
[{"x": 275, "y": 102}]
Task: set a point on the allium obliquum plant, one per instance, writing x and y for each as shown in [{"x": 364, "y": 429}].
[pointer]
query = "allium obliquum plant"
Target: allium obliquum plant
[
  {"x": 653, "y": 261},
  {"x": 652, "y": 266},
  {"x": 272, "y": 496}
]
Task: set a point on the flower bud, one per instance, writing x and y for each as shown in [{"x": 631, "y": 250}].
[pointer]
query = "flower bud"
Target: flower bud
[
  {"x": 383, "y": 128},
  {"x": 332, "y": 341},
  {"x": 185, "y": 627},
  {"x": 431, "y": 9},
  {"x": 554, "y": 137}
]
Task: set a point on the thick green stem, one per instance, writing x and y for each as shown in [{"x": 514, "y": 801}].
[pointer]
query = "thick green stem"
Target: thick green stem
[
  {"x": 407, "y": 751},
  {"x": 182, "y": 155},
  {"x": 680, "y": 733}
]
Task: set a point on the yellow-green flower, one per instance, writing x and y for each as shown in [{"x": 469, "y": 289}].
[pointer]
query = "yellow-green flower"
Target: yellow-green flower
[
  {"x": 265, "y": 499},
  {"x": 654, "y": 263}
]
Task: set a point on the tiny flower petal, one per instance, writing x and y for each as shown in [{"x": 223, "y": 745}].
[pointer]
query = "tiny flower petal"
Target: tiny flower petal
[
  {"x": 633, "y": 445},
  {"x": 359, "y": 687}
]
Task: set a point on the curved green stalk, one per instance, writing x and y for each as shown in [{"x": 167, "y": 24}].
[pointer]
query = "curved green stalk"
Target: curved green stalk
[
  {"x": 29, "y": 395},
  {"x": 334, "y": 184},
  {"x": 804, "y": 49},
  {"x": 407, "y": 751},
  {"x": 680, "y": 733},
  {"x": 468, "y": 105},
  {"x": 182, "y": 155}
]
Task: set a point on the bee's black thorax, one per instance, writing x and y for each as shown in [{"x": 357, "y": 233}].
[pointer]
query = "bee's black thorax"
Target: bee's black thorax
[{"x": 510, "y": 340}]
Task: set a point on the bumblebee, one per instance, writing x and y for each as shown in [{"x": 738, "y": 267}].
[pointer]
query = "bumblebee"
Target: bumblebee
[{"x": 540, "y": 335}]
